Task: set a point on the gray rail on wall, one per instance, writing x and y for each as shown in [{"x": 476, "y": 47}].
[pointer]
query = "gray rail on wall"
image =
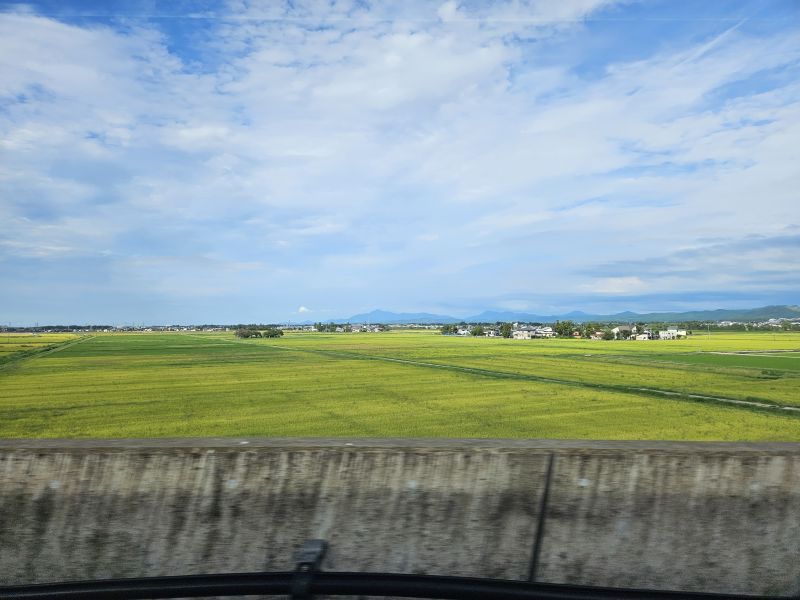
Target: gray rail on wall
[{"x": 716, "y": 517}]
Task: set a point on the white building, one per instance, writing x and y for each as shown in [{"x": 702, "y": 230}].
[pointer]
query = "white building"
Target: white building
[
  {"x": 619, "y": 330},
  {"x": 672, "y": 333}
]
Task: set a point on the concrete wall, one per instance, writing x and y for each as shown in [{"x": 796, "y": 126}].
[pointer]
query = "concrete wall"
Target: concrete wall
[{"x": 704, "y": 517}]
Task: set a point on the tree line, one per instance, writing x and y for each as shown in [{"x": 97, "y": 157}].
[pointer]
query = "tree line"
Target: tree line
[{"x": 269, "y": 332}]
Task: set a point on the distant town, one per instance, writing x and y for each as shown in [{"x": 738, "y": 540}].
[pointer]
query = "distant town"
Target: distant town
[{"x": 634, "y": 331}]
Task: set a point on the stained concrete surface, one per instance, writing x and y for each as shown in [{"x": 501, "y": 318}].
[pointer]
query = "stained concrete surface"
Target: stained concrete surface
[
  {"x": 704, "y": 517},
  {"x": 704, "y": 522}
]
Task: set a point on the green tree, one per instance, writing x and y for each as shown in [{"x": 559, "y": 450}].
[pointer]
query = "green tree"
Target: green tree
[
  {"x": 564, "y": 328},
  {"x": 477, "y": 330},
  {"x": 505, "y": 330},
  {"x": 247, "y": 333},
  {"x": 608, "y": 334}
]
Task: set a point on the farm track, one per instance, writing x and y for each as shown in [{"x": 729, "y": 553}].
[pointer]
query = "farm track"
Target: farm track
[{"x": 636, "y": 390}]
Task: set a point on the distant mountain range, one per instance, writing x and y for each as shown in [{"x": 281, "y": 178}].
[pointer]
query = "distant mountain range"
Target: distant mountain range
[
  {"x": 753, "y": 314},
  {"x": 490, "y": 316},
  {"x": 383, "y": 316}
]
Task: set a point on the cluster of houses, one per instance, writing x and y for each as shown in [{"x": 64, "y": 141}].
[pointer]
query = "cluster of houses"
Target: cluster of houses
[
  {"x": 331, "y": 328},
  {"x": 620, "y": 332},
  {"x": 768, "y": 324},
  {"x": 529, "y": 333},
  {"x": 363, "y": 328},
  {"x": 518, "y": 333},
  {"x": 631, "y": 332}
]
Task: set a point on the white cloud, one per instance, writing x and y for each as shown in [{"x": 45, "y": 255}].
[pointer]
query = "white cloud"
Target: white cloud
[{"x": 414, "y": 148}]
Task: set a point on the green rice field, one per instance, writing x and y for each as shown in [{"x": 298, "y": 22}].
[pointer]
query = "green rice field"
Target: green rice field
[{"x": 723, "y": 386}]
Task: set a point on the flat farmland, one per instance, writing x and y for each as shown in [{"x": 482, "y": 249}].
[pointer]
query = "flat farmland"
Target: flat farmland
[
  {"x": 406, "y": 384},
  {"x": 14, "y": 345}
]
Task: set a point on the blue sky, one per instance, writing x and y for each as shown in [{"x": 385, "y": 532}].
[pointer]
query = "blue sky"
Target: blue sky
[{"x": 243, "y": 161}]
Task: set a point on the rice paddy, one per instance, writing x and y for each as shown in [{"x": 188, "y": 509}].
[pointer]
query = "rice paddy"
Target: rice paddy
[{"x": 400, "y": 384}]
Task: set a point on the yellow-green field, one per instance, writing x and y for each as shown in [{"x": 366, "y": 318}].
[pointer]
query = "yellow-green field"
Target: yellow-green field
[
  {"x": 416, "y": 384},
  {"x": 13, "y": 345}
]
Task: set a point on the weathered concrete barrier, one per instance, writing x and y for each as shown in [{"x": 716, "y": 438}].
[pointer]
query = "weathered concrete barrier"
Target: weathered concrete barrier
[{"x": 707, "y": 517}]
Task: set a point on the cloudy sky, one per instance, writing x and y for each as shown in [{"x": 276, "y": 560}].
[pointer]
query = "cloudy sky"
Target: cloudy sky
[{"x": 243, "y": 161}]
